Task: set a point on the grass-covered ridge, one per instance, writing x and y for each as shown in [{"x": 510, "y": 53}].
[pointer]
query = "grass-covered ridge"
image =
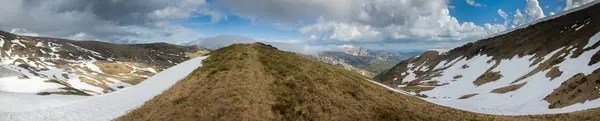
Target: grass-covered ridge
[{"x": 259, "y": 82}]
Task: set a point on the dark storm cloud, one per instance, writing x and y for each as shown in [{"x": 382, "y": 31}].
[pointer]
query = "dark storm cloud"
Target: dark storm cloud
[{"x": 101, "y": 19}]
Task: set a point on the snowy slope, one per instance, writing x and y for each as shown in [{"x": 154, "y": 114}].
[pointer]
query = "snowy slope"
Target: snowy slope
[
  {"x": 51, "y": 66},
  {"x": 529, "y": 99},
  {"x": 100, "y": 108},
  {"x": 549, "y": 66}
]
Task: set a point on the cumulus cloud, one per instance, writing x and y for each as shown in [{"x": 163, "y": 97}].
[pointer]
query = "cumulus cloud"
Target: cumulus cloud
[
  {"x": 438, "y": 27},
  {"x": 109, "y": 20},
  {"x": 342, "y": 31},
  {"x": 473, "y": 3},
  {"x": 576, "y": 3},
  {"x": 519, "y": 18},
  {"x": 533, "y": 10},
  {"x": 504, "y": 16},
  {"x": 378, "y": 13},
  {"x": 362, "y": 20}
]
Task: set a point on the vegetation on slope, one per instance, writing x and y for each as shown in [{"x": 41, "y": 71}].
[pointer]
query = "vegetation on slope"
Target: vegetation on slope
[{"x": 258, "y": 82}]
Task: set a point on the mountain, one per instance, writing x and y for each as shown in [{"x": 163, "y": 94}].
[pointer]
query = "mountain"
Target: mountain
[
  {"x": 361, "y": 60},
  {"x": 31, "y": 107},
  {"x": 249, "y": 82},
  {"x": 48, "y": 66},
  {"x": 549, "y": 66},
  {"x": 259, "y": 82}
]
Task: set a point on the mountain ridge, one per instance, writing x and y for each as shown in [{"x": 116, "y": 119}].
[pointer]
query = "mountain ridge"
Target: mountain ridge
[
  {"x": 47, "y": 65},
  {"x": 529, "y": 66},
  {"x": 259, "y": 82}
]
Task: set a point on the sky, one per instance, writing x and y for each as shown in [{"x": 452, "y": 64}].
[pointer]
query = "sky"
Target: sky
[{"x": 304, "y": 26}]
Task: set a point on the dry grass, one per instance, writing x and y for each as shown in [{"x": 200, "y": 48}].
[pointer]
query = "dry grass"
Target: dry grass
[
  {"x": 257, "y": 82},
  {"x": 197, "y": 54},
  {"x": 509, "y": 88},
  {"x": 66, "y": 76},
  {"x": 577, "y": 89},
  {"x": 100, "y": 84},
  {"x": 113, "y": 67},
  {"x": 417, "y": 88},
  {"x": 457, "y": 77},
  {"x": 487, "y": 77},
  {"x": 553, "y": 73}
]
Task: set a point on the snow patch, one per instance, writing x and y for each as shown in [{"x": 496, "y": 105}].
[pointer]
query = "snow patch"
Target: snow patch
[
  {"x": 593, "y": 40},
  {"x": 18, "y": 42}
]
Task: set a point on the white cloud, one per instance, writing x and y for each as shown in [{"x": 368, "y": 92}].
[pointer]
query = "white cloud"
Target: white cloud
[
  {"x": 376, "y": 13},
  {"x": 182, "y": 10},
  {"x": 438, "y": 27},
  {"x": 576, "y": 3},
  {"x": 504, "y": 16},
  {"x": 552, "y": 13},
  {"x": 495, "y": 28},
  {"x": 473, "y": 3},
  {"x": 533, "y": 10},
  {"x": 342, "y": 31},
  {"x": 519, "y": 19}
]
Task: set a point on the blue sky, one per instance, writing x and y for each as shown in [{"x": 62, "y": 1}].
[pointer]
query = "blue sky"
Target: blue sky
[
  {"x": 487, "y": 12},
  {"x": 304, "y": 26}
]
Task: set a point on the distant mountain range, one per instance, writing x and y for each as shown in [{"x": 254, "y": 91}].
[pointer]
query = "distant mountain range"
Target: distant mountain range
[{"x": 361, "y": 60}]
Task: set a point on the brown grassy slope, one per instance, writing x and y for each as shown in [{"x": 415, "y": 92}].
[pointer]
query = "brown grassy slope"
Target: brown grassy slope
[{"x": 258, "y": 82}]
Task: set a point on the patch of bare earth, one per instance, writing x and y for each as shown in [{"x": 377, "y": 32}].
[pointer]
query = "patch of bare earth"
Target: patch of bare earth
[
  {"x": 595, "y": 58},
  {"x": 509, "y": 88},
  {"x": 417, "y": 88},
  {"x": 457, "y": 77},
  {"x": 468, "y": 96},
  {"x": 487, "y": 77},
  {"x": 577, "y": 89},
  {"x": 113, "y": 67},
  {"x": 553, "y": 73}
]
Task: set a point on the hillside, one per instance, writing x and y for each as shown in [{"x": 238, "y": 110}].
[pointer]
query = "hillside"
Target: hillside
[
  {"x": 47, "y": 66},
  {"x": 259, "y": 82},
  {"x": 550, "y": 66},
  {"x": 23, "y": 107},
  {"x": 361, "y": 60}
]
